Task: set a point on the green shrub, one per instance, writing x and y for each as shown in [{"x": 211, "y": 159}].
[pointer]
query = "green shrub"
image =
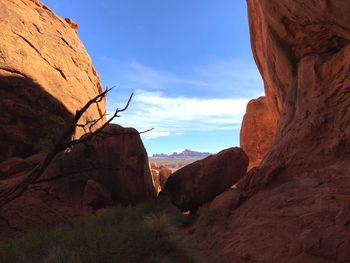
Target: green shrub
[{"x": 123, "y": 234}]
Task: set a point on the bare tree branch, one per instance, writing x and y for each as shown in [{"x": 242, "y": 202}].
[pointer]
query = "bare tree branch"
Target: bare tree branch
[
  {"x": 64, "y": 142},
  {"x": 91, "y": 123}
]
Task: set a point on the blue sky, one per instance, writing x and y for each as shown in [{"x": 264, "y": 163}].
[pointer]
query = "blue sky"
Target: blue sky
[{"x": 188, "y": 62}]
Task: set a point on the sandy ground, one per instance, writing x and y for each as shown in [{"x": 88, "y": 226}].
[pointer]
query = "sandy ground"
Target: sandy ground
[{"x": 173, "y": 163}]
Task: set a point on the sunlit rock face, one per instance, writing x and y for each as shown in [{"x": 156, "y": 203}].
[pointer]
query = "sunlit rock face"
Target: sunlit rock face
[
  {"x": 257, "y": 131},
  {"x": 299, "y": 195},
  {"x": 45, "y": 76},
  {"x": 302, "y": 51}
]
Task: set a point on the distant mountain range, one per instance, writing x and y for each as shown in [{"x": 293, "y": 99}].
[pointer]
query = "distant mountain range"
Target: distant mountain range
[{"x": 184, "y": 154}]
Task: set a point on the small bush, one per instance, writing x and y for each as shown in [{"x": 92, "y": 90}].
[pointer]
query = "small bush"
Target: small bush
[{"x": 123, "y": 234}]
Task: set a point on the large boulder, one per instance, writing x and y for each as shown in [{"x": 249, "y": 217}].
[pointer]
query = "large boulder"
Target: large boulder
[
  {"x": 115, "y": 158},
  {"x": 45, "y": 76},
  {"x": 122, "y": 162},
  {"x": 201, "y": 181},
  {"x": 257, "y": 131},
  {"x": 108, "y": 170}
]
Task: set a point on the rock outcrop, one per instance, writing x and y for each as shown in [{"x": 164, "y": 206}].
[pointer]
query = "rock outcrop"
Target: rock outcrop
[
  {"x": 155, "y": 179},
  {"x": 302, "y": 51},
  {"x": 199, "y": 182},
  {"x": 257, "y": 131},
  {"x": 160, "y": 175},
  {"x": 164, "y": 174},
  {"x": 227, "y": 200},
  {"x": 109, "y": 170},
  {"x": 45, "y": 76},
  {"x": 297, "y": 206},
  {"x": 122, "y": 163}
]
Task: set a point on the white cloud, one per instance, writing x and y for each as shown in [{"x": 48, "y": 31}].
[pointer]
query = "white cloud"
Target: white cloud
[
  {"x": 212, "y": 78},
  {"x": 151, "y": 78},
  {"x": 177, "y": 115},
  {"x": 156, "y": 134},
  {"x": 209, "y": 97}
]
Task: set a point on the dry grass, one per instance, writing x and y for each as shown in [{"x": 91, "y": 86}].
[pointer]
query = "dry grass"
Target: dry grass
[{"x": 123, "y": 234}]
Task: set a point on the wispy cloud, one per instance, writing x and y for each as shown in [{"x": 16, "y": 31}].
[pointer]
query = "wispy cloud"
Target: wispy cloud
[
  {"x": 210, "y": 97},
  {"x": 213, "y": 78},
  {"x": 178, "y": 115},
  {"x": 233, "y": 76},
  {"x": 151, "y": 78}
]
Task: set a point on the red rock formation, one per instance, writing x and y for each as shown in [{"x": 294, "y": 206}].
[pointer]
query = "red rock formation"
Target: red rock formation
[
  {"x": 96, "y": 196},
  {"x": 257, "y": 131},
  {"x": 164, "y": 174},
  {"x": 298, "y": 199},
  {"x": 45, "y": 76},
  {"x": 227, "y": 200},
  {"x": 155, "y": 179},
  {"x": 72, "y": 24},
  {"x": 153, "y": 165},
  {"x": 199, "y": 182},
  {"x": 14, "y": 166},
  {"x": 108, "y": 170},
  {"x": 159, "y": 175},
  {"x": 302, "y": 50},
  {"x": 123, "y": 164}
]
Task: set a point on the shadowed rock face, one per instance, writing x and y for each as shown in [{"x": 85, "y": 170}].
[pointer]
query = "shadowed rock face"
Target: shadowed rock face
[
  {"x": 199, "y": 182},
  {"x": 31, "y": 119},
  {"x": 123, "y": 166},
  {"x": 42, "y": 52},
  {"x": 107, "y": 171},
  {"x": 301, "y": 190}
]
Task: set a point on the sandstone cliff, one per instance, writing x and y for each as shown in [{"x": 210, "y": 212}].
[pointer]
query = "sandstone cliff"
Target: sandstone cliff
[
  {"x": 297, "y": 207},
  {"x": 45, "y": 76}
]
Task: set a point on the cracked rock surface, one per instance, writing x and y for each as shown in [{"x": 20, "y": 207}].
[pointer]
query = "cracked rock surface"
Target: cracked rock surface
[{"x": 45, "y": 76}]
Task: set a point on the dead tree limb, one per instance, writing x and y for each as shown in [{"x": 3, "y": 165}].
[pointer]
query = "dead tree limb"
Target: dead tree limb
[{"x": 63, "y": 143}]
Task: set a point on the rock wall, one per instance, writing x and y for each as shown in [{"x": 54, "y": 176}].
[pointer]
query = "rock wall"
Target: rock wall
[
  {"x": 45, "y": 76},
  {"x": 297, "y": 200},
  {"x": 302, "y": 51}
]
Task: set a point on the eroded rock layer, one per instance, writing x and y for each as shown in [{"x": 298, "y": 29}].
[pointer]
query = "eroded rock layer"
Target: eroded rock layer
[{"x": 45, "y": 76}]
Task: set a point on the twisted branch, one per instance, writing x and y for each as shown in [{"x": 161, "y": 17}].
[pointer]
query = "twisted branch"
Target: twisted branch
[{"x": 63, "y": 143}]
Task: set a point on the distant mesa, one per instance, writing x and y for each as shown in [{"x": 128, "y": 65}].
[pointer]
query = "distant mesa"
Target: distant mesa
[{"x": 184, "y": 154}]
